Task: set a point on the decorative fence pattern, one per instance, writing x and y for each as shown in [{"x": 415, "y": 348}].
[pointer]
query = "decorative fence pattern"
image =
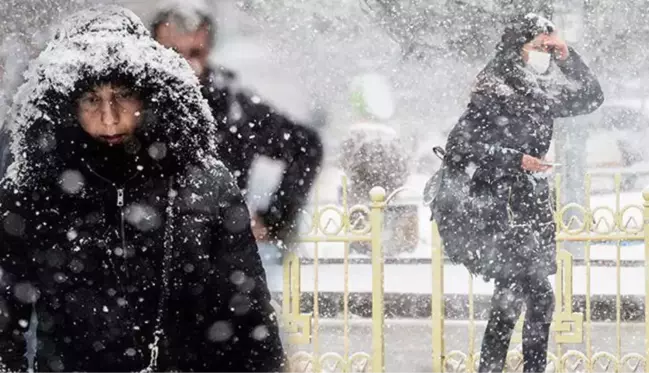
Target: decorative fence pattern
[{"x": 586, "y": 228}]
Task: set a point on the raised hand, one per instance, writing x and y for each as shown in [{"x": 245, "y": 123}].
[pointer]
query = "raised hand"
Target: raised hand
[{"x": 557, "y": 46}]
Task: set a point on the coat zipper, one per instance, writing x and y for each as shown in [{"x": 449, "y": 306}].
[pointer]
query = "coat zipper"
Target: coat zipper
[
  {"x": 120, "y": 197},
  {"x": 121, "y": 191},
  {"x": 122, "y": 230},
  {"x": 159, "y": 331}
]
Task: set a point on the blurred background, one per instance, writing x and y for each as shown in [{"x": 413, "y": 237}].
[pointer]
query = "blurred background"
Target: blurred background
[
  {"x": 302, "y": 55},
  {"x": 305, "y": 56}
]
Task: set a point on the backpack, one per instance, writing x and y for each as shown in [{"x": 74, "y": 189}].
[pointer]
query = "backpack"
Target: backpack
[
  {"x": 432, "y": 187},
  {"x": 448, "y": 196}
]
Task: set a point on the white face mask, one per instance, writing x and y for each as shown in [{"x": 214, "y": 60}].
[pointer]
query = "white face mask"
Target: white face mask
[{"x": 539, "y": 61}]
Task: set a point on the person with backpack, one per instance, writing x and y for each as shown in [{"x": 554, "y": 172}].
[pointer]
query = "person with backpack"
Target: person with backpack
[
  {"x": 492, "y": 200},
  {"x": 248, "y": 126}
]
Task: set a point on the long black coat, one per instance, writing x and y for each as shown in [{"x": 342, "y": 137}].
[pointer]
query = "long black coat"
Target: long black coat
[
  {"x": 494, "y": 217},
  {"x": 153, "y": 243}
]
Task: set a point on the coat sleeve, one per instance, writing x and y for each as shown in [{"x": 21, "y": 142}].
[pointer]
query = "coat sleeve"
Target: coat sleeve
[
  {"x": 474, "y": 139},
  {"x": 301, "y": 150},
  {"x": 17, "y": 288},
  {"x": 584, "y": 95},
  {"x": 255, "y": 344}
]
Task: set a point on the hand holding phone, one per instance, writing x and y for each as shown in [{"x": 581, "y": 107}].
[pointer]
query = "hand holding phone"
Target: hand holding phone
[{"x": 533, "y": 164}]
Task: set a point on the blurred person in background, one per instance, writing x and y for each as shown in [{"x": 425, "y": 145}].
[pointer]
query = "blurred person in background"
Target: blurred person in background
[
  {"x": 247, "y": 128},
  {"x": 372, "y": 153},
  {"x": 494, "y": 205}
]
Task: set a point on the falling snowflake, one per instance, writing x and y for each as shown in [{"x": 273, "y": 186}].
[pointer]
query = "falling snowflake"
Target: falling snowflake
[{"x": 220, "y": 331}]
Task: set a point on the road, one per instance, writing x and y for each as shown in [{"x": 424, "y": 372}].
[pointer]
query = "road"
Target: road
[{"x": 408, "y": 343}]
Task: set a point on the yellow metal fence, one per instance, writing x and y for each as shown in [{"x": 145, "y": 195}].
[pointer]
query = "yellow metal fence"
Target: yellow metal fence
[{"x": 604, "y": 227}]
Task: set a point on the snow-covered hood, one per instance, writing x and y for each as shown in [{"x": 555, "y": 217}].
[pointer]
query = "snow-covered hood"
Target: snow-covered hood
[{"x": 102, "y": 43}]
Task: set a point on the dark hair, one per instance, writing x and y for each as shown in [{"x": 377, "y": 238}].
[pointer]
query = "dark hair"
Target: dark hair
[
  {"x": 115, "y": 78},
  {"x": 172, "y": 16}
]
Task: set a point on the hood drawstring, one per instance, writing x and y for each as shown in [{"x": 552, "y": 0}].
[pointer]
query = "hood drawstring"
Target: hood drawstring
[{"x": 165, "y": 277}]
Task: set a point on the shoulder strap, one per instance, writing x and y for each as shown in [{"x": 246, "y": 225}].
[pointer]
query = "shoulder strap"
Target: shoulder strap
[{"x": 439, "y": 152}]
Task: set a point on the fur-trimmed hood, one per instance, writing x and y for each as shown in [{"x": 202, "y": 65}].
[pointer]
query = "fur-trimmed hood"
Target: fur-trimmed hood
[{"x": 102, "y": 44}]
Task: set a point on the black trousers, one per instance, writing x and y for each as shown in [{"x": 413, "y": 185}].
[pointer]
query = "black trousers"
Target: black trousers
[{"x": 506, "y": 305}]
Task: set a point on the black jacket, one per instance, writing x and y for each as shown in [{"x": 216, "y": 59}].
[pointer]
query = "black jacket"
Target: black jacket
[
  {"x": 508, "y": 117},
  {"x": 494, "y": 217},
  {"x": 248, "y": 128},
  {"x": 154, "y": 243}
]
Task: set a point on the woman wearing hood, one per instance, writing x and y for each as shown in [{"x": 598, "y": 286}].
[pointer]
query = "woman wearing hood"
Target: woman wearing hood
[
  {"x": 493, "y": 208},
  {"x": 130, "y": 239}
]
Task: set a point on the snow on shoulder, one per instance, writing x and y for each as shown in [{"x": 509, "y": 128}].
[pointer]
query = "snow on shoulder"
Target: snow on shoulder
[{"x": 100, "y": 43}]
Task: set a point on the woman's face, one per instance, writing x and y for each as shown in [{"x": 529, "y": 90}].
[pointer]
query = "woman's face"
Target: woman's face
[
  {"x": 539, "y": 44},
  {"x": 109, "y": 113}
]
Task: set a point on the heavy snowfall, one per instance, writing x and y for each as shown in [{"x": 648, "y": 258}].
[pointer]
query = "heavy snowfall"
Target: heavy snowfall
[{"x": 166, "y": 165}]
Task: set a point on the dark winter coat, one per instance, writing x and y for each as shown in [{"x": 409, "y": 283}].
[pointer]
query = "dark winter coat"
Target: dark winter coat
[
  {"x": 154, "y": 243},
  {"x": 248, "y": 128},
  {"x": 494, "y": 217}
]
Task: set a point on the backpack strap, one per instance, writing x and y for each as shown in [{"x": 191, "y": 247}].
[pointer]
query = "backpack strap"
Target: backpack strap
[{"x": 439, "y": 152}]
